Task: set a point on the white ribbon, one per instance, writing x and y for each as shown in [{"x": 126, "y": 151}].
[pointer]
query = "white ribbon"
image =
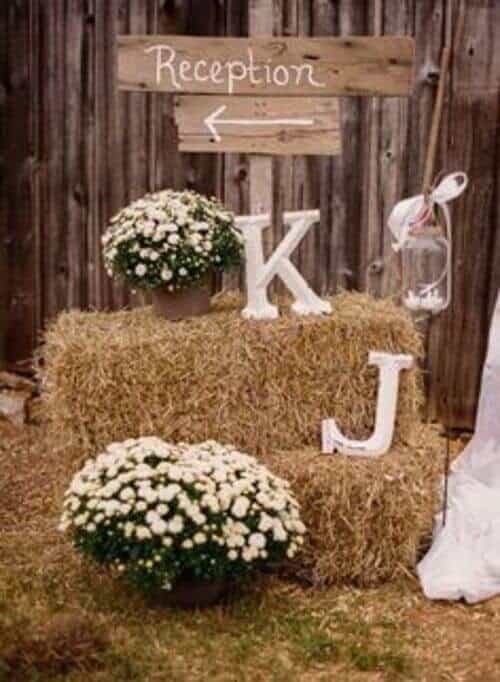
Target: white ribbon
[{"x": 407, "y": 211}]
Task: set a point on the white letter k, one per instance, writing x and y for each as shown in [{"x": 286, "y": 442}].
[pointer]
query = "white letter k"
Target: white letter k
[{"x": 260, "y": 274}]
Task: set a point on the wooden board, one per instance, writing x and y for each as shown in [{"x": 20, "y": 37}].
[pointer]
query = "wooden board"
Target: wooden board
[
  {"x": 267, "y": 125},
  {"x": 363, "y": 65}
]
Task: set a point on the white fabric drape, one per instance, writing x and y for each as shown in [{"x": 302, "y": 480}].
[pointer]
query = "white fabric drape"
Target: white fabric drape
[{"x": 464, "y": 559}]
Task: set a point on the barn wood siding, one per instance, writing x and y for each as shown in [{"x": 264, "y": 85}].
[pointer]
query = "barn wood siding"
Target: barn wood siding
[{"x": 73, "y": 150}]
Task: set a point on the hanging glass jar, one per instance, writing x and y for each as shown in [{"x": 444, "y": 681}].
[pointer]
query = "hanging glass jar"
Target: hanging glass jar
[
  {"x": 421, "y": 226},
  {"x": 426, "y": 267}
]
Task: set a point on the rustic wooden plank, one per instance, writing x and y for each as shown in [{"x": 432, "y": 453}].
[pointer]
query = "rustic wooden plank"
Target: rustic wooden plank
[
  {"x": 18, "y": 145},
  {"x": 270, "y": 125},
  {"x": 305, "y": 188},
  {"x": 393, "y": 150},
  {"x": 278, "y": 194},
  {"x": 102, "y": 21},
  {"x": 52, "y": 180},
  {"x": 203, "y": 172},
  {"x": 439, "y": 330},
  {"x": 429, "y": 20},
  {"x": 347, "y": 173},
  {"x": 235, "y": 187},
  {"x": 4, "y": 197},
  {"x": 136, "y": 133},
  {"x": 173, "y": 17},
  {"x": 261, "y": 23},
  {"x": 318, "y": 269},
  {"x": 75, "y": 194},
  {"x": 429, "y": 29},
  {"x": 473, "y": 123},
  {"x": 286, "y": 24},
  {"x": 93, "y": 146},
  {"x": 357, "y": 65},
  {"x": 370, "y": 216},
  {"x": 36, "y": 87},
  {"x": 114, "y": 294}
]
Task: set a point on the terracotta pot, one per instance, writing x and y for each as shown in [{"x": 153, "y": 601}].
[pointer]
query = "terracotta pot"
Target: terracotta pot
[
  {"x": 178, "y": 305},
  {"x": 191, "y": 594}
]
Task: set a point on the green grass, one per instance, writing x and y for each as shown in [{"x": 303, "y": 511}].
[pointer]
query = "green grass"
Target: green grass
[{"x": 64, "y": 619}]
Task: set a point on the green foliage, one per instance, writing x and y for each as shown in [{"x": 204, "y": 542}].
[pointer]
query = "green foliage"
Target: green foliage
[
  {"x": 158, "y": 512},
  {"x": 171, "y": 239}
]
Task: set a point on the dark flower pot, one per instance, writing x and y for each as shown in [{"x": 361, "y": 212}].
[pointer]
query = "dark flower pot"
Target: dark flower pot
[
  {"x": 181, "y": 304},
  {"x": 191, "y": 594}
]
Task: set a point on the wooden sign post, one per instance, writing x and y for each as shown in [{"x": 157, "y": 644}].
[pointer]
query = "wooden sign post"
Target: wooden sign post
[
  {"x": 268, "y": 95},
  {"x": 265, "y": 95}
]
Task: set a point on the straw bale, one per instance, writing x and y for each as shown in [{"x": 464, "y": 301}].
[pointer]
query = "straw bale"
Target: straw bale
[
  {"x": 368, "y": 520},
  {"x": 261, "y": 385}
]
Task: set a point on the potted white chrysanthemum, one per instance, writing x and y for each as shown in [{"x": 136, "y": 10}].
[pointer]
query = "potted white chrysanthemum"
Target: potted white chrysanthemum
[
  {"x": 181, "y": 520},
  {"x": 170, "y": 242}
]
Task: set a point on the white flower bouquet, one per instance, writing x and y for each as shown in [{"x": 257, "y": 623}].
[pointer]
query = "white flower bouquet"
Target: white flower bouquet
[
  {"x": 160, "y": 513},
  {"x": 171, "y": 239}
]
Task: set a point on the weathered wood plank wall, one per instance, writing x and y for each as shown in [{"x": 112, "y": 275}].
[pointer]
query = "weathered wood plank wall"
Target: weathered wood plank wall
[{"x": 73, "y": 150}]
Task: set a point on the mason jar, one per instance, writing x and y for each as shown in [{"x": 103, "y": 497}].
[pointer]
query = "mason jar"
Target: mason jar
[{"x": 425, "y": 258}]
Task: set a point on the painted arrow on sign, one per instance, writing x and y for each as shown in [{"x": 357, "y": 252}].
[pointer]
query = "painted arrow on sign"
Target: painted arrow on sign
[
  {"x": 258, "y": 125},
  {"x": 215, "y": 119}
]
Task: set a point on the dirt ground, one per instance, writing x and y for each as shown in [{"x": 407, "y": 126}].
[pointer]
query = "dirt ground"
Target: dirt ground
[{"x": 64, "y": 619}]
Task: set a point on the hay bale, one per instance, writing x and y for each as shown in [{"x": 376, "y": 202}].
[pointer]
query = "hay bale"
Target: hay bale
[
  {"x": 261, "y": 385},
  {"x": 368, "y": 520}
]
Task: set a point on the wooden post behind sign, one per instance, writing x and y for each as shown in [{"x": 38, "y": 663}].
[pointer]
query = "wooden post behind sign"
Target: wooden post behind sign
[{"x": 260, "y": 23}]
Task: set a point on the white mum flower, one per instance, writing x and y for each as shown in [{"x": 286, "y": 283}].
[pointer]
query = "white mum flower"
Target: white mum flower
[
  {"x": 151, "y": 517},
  {"x": 279, "y": 533},
  {"x": 159, "y": 527},
  {"x": 265, "y": 523},
  {"x": 167, "y": 493},
  {"x": 249, "y": 553},
  {"x": 176, "y": 524},
  {"x": 81, "y": 519},
  {"x": 128, "y": 529},
  {"x": 140, "y": 270},
  {"x": 257, "y": 540},
  {"x": 143, "y": 533},
  {"x": 127, "y": 493},
  {"x": 166, "y": 274},
  {"x": 173, "y": 238},
  {"x": 240, "y": 507},
  {"x": 175, "y": 473},
  {"x": 199, "y": 538},
  {"x": 200, "y": 226}
]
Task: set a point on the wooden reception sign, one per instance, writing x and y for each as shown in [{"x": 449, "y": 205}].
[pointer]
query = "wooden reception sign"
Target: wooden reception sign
[
  {"x": 354, "y": 65},
  {"x": 278, "y": 125}
]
